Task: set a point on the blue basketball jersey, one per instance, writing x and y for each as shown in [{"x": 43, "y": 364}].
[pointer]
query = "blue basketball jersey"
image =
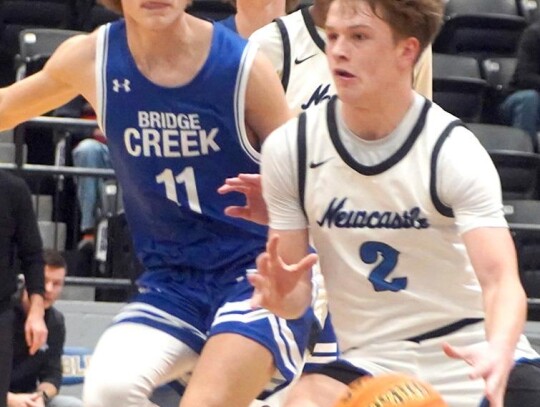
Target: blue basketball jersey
[{"x": 172, "y": 147}]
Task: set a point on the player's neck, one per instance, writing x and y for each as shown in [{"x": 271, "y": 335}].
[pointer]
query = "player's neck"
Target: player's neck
[
  {"x": 378, "y": 118},
  {"x": 148, "y": 43},
  {"x": 171, "y": 57}
]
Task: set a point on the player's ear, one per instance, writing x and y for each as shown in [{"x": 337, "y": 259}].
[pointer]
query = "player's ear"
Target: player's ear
[{"x": 409, "y": 51}]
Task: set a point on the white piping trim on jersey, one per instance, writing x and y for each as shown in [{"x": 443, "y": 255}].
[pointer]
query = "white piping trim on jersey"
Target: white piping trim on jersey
[
  {"x": 244, "y": 305},
  {"x": 242, "y": 78},
  {"x": 320, "y": 360},
  {"x": 101, "y": 74},
  {"x": 279, "y": 328},
  {"x": 139, "y": 309},
  {"x": 236, "y": 311},
  {"x": 325, "y": 348},
  {"x": 244, "y": 318},
  {"x": 281, "y": 332}
]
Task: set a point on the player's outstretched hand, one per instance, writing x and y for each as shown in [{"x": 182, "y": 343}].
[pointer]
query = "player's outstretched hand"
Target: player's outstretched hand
[
  {"x": 488, "y": 363},
  {"x": 275, "y": 281},
  {"x": 250, "y": 186}
]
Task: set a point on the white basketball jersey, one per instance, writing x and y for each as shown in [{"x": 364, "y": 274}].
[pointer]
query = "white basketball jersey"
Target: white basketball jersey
[
  {"x": 388, "y": 247},
  {"x": 306, "y": 77}
]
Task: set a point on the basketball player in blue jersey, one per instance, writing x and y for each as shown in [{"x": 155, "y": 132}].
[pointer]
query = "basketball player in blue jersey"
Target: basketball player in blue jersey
[
  {"x": 184, "y": 104},
  {"x": 404, "y": 208}
]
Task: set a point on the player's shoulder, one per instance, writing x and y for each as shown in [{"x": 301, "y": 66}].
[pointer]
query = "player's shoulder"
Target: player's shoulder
[
  {"x": 282, "y": 135},
  {"x": 271, "y": 32}
]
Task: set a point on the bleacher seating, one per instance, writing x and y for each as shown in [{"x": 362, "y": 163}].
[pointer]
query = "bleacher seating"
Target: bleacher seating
[
  {"x": 458, "y": 86},
  {"x": 498, "y": 72},
  {"x": 481, "y": 27},
  {"x": 513, "y": 154}
]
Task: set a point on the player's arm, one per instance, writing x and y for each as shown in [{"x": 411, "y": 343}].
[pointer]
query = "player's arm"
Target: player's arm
[
  {"x": 283, "y": 283},
  {"x": 472, "y": 189},
  {"x": 49, "y": 88},
  {"x": 266, "y": 107}
]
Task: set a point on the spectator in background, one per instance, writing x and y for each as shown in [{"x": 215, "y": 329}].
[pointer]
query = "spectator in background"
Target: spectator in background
[
  {"x": 254, "y": 14},
  {"x": 36, "y": 378},
  {"x": 19, "y": 240},
  {"x": 91, "y": 152},
  {"x": 521, "y": 108}
]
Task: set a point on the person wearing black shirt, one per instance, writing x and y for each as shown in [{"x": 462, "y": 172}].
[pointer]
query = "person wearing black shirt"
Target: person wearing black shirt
[
  {"x": 36, "y": 379},
  {"x": 521, "y": 108},
  {"x": 20, "y": 243}
]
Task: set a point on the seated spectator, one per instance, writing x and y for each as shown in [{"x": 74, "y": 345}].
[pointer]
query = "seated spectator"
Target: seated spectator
[
  {"x": 36, "y": 379},
  {"x": 91, "y": 152},
  {"x": 20, "y": 250},
  {"x": 521, "y": 108}
]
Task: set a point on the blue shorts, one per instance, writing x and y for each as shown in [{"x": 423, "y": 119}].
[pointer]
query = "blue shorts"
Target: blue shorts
[
  {"x": 323, "y": 347},
  {"x": 193, "y": 305}
]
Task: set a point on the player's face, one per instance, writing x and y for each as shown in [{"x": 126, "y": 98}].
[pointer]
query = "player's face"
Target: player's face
[
  {"x": 362, "y": 53},
  {"x": 154, "y": 14},
  {"x": 54, "y": 283}
]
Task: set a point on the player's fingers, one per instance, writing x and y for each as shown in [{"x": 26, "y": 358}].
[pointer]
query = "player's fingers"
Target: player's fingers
[
  {"x": 237, "y": 212},
  {"x": 454, "y": 352},
  {"x": 272, "y": 248},
  {"x": 252, "y": 179},
  {"x": 224, "y": 189},
  {"x": 260, "y": 262},
  {"x": 305, "y": 264}
]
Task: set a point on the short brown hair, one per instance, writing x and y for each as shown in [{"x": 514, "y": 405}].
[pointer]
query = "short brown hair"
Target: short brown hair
[
  {"x": 421, "y": 19},
  {"x": 54, "y": 259}
]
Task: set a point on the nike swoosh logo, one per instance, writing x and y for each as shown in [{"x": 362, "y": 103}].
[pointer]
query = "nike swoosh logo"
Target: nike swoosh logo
[
  {"x": 299, "y": 61},
  {"x": 318, "y": 164}
]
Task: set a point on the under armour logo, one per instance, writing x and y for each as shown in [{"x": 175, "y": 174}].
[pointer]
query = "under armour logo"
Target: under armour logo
[{"x": 117, "y": 85}]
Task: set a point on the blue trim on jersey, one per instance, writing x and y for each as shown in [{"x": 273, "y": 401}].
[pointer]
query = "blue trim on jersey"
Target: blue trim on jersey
[
  {"x": 390, "y": 161},
  {"x": 171, "y": 148},
  {"x": 229, "y": 22}
]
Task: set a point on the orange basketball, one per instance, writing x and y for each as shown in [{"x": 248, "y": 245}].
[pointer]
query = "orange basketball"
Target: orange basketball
[{"x": 391, "y": 390}]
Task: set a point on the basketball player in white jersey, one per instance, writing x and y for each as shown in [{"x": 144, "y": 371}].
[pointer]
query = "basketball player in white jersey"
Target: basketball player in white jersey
[
  {"x": 295, "y": 44},
  {"x": 187, "y": 98},
  {"x": 404, "y": 208}
]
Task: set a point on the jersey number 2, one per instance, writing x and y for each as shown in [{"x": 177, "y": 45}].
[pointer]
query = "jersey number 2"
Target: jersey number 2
[
  {"x": 186, "y": 177},
  {"x": 379, "y": 276}
]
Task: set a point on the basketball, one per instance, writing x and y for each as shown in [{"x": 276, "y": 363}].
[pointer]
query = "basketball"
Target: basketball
[{"x": 391, "y": 390}]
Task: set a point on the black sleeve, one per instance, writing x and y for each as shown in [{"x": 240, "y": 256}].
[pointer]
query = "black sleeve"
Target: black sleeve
[
  {"x": 28, "y": 240},
  {"x": 51, "y": 371},
  {"x": 527, "y": 75}
]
